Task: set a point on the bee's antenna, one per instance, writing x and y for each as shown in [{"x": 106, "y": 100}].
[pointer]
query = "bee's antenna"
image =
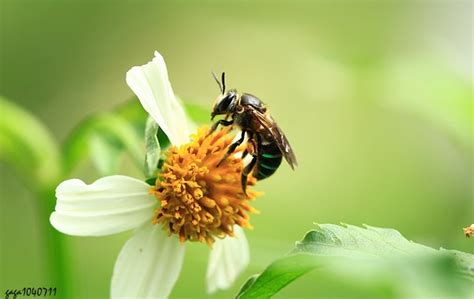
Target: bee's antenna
[
  {"x": 223, "y": 82},
  {"x": 218, "y": 82}
]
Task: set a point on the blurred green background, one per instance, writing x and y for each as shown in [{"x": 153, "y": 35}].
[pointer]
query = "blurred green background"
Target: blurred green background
[{"x": 375, "y": 97}]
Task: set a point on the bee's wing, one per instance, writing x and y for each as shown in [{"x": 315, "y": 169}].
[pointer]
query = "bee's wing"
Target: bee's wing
[{"x": 280, "y": 139}]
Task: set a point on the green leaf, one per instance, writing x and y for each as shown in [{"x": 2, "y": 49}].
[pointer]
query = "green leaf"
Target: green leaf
[
  {"x": 250, "y": 281},
  {"x": 277, "y": 275},
  {"x": 28, "y": 145},
  {"x": 163, "y": 140},
  {"x": 104, "y": 153},
  {"x": 353, "y": 241},
  {"x": 116, "y": 133},
  {"x": 372, "y": 256},
  {"x": 152, "y": 148},
  {"x": 133, "y": 112},
  {"x": 464, "y": 260}
]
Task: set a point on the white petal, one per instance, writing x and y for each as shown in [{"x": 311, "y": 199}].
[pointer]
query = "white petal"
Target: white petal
[
  {"x": 109, "y": 205},
  {"x": 228, "y": 258},
  {"x": 148, "y": 265},
  {"x": 151, "y": 85}
]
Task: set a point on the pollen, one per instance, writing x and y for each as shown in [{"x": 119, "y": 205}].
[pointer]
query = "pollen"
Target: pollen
[{"x": 199, "y": 200}]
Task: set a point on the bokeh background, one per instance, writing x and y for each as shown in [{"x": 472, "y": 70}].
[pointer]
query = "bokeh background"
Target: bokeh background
[{"x": 375, "y": 97}]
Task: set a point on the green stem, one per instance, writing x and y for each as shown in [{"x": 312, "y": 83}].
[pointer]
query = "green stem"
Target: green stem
[{"x": 54, "y": 244}]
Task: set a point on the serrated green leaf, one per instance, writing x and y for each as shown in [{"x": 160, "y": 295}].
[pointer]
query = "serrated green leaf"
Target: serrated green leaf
[
  {"x": 28, "y": 145},
  {"x": 354, "y": 241},
  {"x": 371, "y": 255},
  {"x": 152, "y": 148}
]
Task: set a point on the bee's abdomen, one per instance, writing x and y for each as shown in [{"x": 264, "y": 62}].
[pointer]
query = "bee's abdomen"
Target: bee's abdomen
[{"x": 269, "y": 159}]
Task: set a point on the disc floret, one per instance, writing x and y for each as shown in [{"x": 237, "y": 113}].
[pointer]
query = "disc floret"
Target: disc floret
[{"x": 200, "y": 200}]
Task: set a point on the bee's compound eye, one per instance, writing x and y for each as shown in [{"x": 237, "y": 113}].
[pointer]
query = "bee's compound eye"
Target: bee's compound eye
[{"x": 225, "y": 104}]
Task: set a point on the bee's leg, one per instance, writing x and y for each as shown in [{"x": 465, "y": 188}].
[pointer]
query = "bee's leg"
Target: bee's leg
[
  {"x": 250, "y": 144},
  {"x": 248, "y": 169},
  {"x": 222, "y": 122},
  {"x": 232, "y": 147},
  {"x": 252, "y": 150},
  {"x": 244, "y": 154}
]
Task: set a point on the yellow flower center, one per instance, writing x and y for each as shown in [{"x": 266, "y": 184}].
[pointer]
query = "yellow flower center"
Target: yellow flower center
[{"x": 200, "y": 201}]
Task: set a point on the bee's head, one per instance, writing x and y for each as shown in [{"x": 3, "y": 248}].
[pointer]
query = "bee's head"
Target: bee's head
[{"x": 226, "y": 101}]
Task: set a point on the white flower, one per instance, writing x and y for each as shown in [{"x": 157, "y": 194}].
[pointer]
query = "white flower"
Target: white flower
[{"x": 150, "y": 262}]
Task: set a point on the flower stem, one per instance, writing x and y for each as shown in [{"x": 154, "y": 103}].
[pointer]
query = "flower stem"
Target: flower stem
[{"x": 53, "y": 244}]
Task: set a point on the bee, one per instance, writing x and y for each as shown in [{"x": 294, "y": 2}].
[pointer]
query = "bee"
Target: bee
[{"x": 266, "y": 142}]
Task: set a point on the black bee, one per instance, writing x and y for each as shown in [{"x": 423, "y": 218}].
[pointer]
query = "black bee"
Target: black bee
[{"x": 267, "y": 143}]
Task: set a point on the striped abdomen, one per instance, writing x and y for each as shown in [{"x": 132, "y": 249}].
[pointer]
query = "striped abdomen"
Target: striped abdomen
[{"x": 268, "y": 161}]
